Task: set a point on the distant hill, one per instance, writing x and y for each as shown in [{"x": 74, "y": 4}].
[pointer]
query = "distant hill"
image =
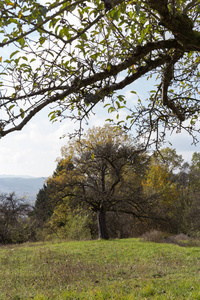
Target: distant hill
[{"x": 22, "y": 186}]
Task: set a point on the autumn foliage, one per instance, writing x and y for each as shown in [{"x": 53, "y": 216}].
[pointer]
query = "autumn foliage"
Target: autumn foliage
[{"x": 106, "y": 186}]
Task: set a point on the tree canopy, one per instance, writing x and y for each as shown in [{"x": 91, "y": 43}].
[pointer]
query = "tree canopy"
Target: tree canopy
[
  {"x": 104, "y": 175},
  {"x": 100, "y": 174},
  {"x": 74, "y": 54}
]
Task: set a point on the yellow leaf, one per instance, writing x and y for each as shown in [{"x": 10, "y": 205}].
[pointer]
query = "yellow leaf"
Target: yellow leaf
[
  {"x": 1, "y": 59},
  {"x": 20, "y": 15},
  {"x": 13, "y": 4}
]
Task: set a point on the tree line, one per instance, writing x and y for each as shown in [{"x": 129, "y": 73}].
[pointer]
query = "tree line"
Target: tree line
[
  {"x": 106, "y": 186},
  {"x": 73, "y": 55}
]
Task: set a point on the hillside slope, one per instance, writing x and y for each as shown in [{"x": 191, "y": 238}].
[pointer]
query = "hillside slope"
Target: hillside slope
[{"x": 97, "y": 270}]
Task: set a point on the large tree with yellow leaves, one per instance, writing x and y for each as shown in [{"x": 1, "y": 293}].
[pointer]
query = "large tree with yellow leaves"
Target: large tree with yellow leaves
[{"x": 101, "y": 173}]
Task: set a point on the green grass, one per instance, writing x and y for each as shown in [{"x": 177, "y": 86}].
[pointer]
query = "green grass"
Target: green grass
[{"x": 116, "y": 269}]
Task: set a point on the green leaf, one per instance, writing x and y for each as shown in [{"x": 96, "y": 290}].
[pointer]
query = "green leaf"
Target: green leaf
[
  {"x": 5, "y": 40},
  {"x": 118, "y": 104},
  {"x": 109, "y": 67},
  {"x": 21, "y": 42},
  {"x": 11, "y": 106},
  {"x": 84, "y": 36},
  {"x": 123, "y": 7},
  {"x": 22, "y": 113},
  {"x": 108, "y": 104},
  {"x": 43, "y": 10},
  {"x": 14, "y": 53},
  {"x": 116, "y": 15},
  {"x": 42, "y": 40},
  {"x": 137, "y": 8},
  {"x": 66, "y": 32},
  {"x": 111, "y": 109},
  {"x": 53, "y": 116},
  {"x": 24, "y": 66}
]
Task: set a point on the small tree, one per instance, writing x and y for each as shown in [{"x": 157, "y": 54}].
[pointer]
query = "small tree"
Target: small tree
[
  {"x": 13, "y": 219},
  {"x": 169, "y": 159},
  {"x": 194, "y": 173},
  {"x": 160, "y": 186},
  {"x": 193, "y": 196},
  {"x": 43, "y": 208}
]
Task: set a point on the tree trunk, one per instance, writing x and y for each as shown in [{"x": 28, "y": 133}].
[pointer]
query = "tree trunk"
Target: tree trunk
[{"x": 101, "y": 218}]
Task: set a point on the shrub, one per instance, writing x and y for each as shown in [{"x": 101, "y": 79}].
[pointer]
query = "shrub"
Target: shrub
[
  {"x": 154, "y": 236},
  {"x": 162, "y": 237}
]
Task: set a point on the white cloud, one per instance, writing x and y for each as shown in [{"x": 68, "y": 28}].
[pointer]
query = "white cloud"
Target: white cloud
[
  {"x": 34, "y": 150},
  {"x": 183, "y": 143}
]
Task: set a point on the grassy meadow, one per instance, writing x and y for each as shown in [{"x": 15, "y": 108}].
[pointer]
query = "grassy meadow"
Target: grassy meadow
[{"x": 114, "y": 269}]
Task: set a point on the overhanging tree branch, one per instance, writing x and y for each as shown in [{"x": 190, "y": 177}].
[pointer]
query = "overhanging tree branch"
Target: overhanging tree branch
[{"x": 73, "y": 54}]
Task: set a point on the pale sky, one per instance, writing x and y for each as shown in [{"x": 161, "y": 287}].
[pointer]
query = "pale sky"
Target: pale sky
[{"x": 34, "y": 150}]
